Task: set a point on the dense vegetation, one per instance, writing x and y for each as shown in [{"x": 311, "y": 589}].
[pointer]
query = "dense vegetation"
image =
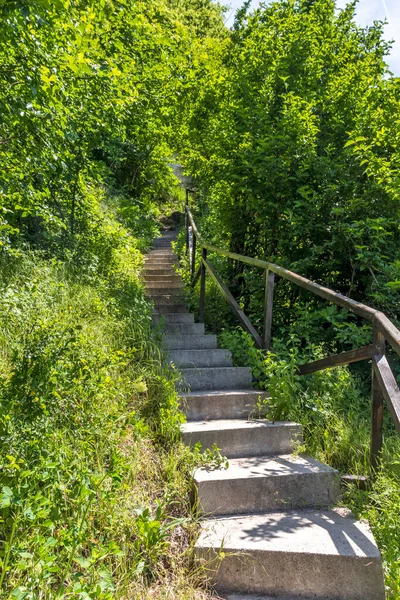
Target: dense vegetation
[
  {"x": 94, "y": 487},
  {"x": 295, "y": 139},
  {"x": 290, "y": 123}
]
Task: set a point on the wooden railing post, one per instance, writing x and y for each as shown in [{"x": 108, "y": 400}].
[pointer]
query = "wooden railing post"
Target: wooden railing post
[
  {"x": 384, "y": 385},
  {"x": 187, "y": 220},
  {"x": 202, "y": 285},
  {"x": 269, "y": 278},
  {"x": 193, "y": 258},
  {"x": 377, "y": 403}
]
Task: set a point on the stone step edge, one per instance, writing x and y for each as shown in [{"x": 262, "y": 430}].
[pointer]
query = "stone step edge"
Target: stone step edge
[{"x": 234, "y": 425}]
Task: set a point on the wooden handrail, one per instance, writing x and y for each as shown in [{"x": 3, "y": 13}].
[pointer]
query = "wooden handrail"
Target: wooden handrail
[
  {"x": 392, "y": 334},
  {"x": 245, "y": 321},
  {"x": 384, "y": 386}
]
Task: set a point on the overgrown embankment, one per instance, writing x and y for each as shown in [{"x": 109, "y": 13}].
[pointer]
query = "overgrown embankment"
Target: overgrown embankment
[{"x": 94, "y": 483}]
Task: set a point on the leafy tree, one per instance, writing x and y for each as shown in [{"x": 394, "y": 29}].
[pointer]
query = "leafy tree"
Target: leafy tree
[
  {"x": 88, "y": 91},
  {"x": 287, "y": 141},
  {"x": 204, "y": 17}
]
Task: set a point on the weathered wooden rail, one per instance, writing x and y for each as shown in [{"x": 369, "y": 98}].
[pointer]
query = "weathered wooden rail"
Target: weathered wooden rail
[{"x": 384, "y": 386}]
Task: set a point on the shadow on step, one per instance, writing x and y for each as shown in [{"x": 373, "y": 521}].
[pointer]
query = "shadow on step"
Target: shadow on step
[{"x": 331, "y": 531}]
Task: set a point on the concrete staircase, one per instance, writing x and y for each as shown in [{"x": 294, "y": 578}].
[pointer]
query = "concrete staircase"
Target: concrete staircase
[{"x": 271, "y": 511}]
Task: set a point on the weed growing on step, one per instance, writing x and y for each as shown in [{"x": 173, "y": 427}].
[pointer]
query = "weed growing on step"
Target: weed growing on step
[{"x": 211, "y": 458}]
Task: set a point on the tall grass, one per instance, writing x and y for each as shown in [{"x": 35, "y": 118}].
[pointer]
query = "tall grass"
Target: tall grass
[{"x": 94, "y": 482}]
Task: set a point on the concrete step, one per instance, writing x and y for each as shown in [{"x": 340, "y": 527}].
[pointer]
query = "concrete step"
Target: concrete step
[
  {"x": 185, "y": 328},
  {"x": 184, "y": 317},
  {"x": 265, "y": 483},
  {"x": 201, "y": 358},
  {"x": 159, "y": 270},
  {"x": 296, "y": 555},
  {"x": 160, "y": 261},
  {"x": 180, "y": 342},
  {"x": 163, "y": 242},
  {"x": 161, "y": 292},
  {"x": 258, "y": 597},
  {"x": 171, "y": 296},
  {"x": 168, "y": 277},
  {"x": 168, "y": 285},
  {"x": 161, "y": 253},
  {"x": 155, "y": 265},
  {"x": 170, "y": 308},
  {"x": 239, "y": 438},
  {"x": 165, "y": 271},
  {"x": 216, "y": 378},
  {"x": 221, "y": 404},
  {"x": 160, "y": 243},
  {"x": 166, "y": 238}
]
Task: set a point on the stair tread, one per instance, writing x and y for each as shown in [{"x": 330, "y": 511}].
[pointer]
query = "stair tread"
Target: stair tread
[
  {"x": 152, "y": 268},
  {"x": 191, "y": 342},
  {"x": 161, "y": 284},
  {"x": 227, "y": 392},
  {"x": 264, "y": 466},
  {"x": 331, "y": 532},
  {"x": 185, "y": 328},
  {"x": 200, "y": 358},
  {"x": 171, "y": 281},
  {"x": 172, "y": 309},
  {"x": 203, "y": 378},
  {"x": 262, "y": 597},
  {"x": 233, "y": 424},
  {"x": 164, "y": 290},
  {"x": 167, "y": 314},
  {"x": 221, "y": 404},
  {"x": 230, "y": 369},
  {"x": 201, "y": 351},
  {"x": 184, "y": 317},
  {"x": 287, "y": 554}
]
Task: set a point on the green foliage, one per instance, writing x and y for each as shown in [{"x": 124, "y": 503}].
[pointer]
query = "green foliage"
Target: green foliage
[
  {"x": 152, "y": 533},
  {"x": 89, "y": 91},
  {"x": 293, "y": 139},
  {"x": 203, "y": 17},
  {"x": 210, "y": 459},
  {"x": 382, "y": 513}
]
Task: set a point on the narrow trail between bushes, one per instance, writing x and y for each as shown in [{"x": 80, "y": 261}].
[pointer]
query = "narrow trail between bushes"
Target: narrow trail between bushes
[{"x": 271, "y": 511}]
